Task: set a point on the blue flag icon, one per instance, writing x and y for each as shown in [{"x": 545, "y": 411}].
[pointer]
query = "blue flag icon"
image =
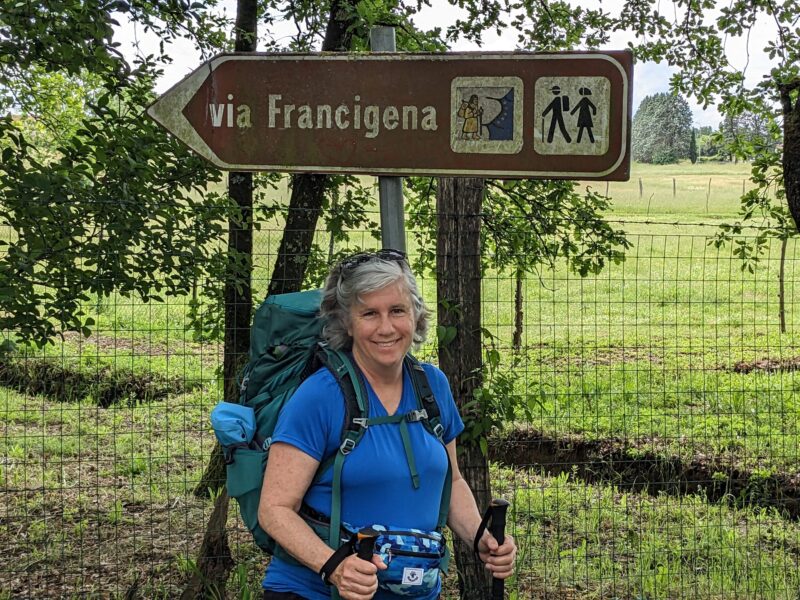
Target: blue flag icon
[{"x": 502, "y": 126}]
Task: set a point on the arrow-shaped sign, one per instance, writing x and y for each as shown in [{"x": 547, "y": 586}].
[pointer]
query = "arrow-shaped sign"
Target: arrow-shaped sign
[{"x": 561, "y": 115}]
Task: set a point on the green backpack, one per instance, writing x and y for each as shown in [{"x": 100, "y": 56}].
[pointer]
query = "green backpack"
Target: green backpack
[{"x": 285, "y": 348}]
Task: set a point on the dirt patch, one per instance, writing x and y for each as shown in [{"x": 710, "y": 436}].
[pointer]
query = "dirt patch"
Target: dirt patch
[
  {"x": 768, "y": 365},
  {"x": 210, "y": 353},
  {"x": 598, "y": 357},
  {"x": 612, "y": 356},
  {"x": 92, "y": 553},
  {"x": 107, "y": 386},
  {"x": 638, "y": 467}
]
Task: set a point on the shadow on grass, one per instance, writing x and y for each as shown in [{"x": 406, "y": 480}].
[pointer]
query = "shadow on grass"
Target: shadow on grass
[
  {"x": 107, "y": 386},
  {"x": 633, "y": 466}
]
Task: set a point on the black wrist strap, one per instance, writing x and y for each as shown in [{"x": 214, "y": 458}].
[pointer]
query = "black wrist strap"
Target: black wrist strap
[
  {"x": 481, "y": 528},
  {"x": 336, "y": 559}
]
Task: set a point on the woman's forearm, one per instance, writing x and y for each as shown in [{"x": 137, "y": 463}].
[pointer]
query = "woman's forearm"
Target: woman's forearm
[
  {"x": 464, "y": 518},
  {"x": 294, "y": 535}
]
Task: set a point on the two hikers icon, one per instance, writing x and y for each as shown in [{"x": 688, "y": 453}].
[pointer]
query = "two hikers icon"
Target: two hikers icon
[{"x": 560, "y": 105}]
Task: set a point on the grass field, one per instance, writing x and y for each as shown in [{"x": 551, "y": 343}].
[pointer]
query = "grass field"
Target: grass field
[
  {"x": 679, "y": 191},
  {"x": 673, "y": 355}
]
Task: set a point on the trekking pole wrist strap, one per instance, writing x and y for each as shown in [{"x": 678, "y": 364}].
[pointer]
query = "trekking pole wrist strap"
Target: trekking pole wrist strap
[
  {"x": 481, "y": 529},
  {"x": 336, "y": 559}
]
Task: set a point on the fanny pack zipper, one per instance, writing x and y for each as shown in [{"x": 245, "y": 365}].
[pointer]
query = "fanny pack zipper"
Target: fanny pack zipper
[
  {"x": 411, "y": 533},
  {"x": 394, "y": 552}
]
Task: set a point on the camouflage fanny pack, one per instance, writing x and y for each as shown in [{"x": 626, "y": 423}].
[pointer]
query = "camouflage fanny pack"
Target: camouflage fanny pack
[{"x": 414, "y": 559}]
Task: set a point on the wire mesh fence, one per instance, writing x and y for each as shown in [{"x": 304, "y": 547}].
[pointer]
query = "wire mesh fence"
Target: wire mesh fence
[{"x": 653, "y": 454}]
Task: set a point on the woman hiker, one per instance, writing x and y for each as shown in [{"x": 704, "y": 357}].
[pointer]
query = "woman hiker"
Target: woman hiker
[{"x": 374, "y": 310}]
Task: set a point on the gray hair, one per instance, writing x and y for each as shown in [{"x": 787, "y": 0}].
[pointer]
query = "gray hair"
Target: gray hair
[{"x": 339, "y": 295}]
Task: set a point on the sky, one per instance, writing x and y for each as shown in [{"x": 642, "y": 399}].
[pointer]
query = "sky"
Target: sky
[{"x": 648, "y": 78}]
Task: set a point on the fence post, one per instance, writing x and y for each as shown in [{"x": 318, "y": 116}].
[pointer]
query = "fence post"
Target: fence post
[
  {"x": 641, "y": 189},
  {"x": 781, "y": 286},
  {"x": 708, "y": 193},
  {"x": 673, "y": 187}
]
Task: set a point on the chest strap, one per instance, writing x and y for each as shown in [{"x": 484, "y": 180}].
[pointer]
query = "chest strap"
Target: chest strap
[{"x": 413, "y": 416}]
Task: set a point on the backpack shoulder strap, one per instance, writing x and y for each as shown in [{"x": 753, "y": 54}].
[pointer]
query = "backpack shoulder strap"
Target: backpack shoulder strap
[
  {"x": 433, "y": 423},
  {"x": 356, "y": 405},
  {"x": 425, "y": 398},
  {"x": 356, "y": 415}
]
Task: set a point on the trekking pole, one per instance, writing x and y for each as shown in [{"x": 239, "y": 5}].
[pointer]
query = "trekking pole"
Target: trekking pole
[
  {"x": 497, "y": 528},
  {"x": 366, "y": 543}
]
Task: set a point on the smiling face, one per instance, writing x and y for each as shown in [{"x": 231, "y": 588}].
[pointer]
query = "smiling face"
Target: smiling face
[{"x": 382, "y": 327}]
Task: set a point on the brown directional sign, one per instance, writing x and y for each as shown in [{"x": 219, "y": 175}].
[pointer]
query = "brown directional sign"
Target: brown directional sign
[{"x": 506, "y": 115}]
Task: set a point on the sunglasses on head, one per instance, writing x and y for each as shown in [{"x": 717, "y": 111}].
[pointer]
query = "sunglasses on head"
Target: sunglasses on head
[{"x": 351, "y": 262}]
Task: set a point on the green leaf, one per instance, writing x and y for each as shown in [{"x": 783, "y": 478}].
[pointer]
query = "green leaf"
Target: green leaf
[{"x": 484, "y": 446}]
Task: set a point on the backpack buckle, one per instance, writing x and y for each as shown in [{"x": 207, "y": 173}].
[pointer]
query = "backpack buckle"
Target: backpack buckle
[
  {"x": 416, "y": 415},
  {"x": 438, "y": 430},
  {"x": 347, "y": 446},
  {"x": 361, "y": 421}
]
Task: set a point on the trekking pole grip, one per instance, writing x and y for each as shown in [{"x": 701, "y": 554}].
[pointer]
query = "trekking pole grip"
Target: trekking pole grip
[
  {"x": 497, "y": 528},
  {"x": 366, "y": 543}
]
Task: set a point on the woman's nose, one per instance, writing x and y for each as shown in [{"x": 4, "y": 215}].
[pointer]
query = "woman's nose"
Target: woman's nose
[{"x": 385, "y": 325}]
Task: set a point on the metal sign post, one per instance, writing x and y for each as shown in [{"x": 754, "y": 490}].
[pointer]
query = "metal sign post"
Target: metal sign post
[{"x": 390, "y": 189}]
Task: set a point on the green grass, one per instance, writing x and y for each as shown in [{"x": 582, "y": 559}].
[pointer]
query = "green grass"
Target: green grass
[
  {"x": 647, "y": 351},
  {"x": 593, "y": 541},
  {"x": 701, "y": 191}
]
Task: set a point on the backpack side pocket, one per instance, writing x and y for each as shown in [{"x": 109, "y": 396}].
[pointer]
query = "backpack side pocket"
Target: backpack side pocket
[{"x": 245, "y": 475}]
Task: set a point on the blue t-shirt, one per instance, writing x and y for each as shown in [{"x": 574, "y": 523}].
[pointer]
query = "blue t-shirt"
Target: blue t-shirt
[{"x": 376, "y": 481}]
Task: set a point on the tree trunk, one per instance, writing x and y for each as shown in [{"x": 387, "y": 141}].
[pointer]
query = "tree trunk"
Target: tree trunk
[
  {"x": 238, "y": 293},
  {"x": 214, "y": 562},
  {"x": 790, "y": 101},
  {"x": 305, "y": 207},
  {"x": 459, "y": 305},
  {"x": 308, "y": 191},
  {"x": 519, "y": 276}
]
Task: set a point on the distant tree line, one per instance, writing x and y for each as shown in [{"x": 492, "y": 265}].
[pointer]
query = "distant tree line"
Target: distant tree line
[
  {"x": 663, "y": 133},
  {"x": 662, "y": 129}
]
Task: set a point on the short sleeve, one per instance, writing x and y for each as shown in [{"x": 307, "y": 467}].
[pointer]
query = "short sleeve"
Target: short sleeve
[
  {"x": 451, "y": 419},
  {"x": 312, "y": 418}
]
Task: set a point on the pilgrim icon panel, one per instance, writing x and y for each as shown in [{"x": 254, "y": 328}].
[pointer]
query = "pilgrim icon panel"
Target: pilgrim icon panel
[
  {"x": 572, "y": 115},
  {"x": 486, "y": 115}
]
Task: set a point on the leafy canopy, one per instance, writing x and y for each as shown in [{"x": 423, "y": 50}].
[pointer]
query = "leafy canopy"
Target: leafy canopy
[{"x": 97, "y": 199}]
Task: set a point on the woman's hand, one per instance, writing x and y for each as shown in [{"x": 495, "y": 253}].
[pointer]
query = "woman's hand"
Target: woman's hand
[
  {"x": 357, "y": 579},
  {"x": 499, "y": 560}
]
